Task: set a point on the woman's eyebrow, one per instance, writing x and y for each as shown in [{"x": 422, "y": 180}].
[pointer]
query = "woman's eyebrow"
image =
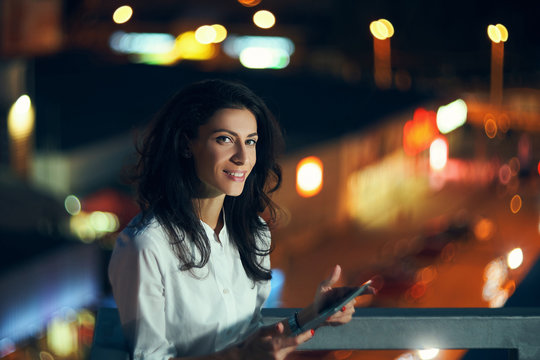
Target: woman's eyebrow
[{"x": 233, "y": 133}]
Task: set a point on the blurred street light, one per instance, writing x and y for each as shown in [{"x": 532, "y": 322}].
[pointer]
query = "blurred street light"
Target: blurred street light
[
  {"x": 264, "y": 19},
  {"x": 21, "y": 118},
  {"x": 382, "y": 30},
  {"x": 309, "y": 176},
  {"x": 498, "y": 34},
  {"x": 205, "y": 34},
  {"x": 122, "y": 14}
]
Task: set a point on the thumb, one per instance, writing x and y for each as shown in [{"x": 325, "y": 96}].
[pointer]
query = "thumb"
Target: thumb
[{"x": 333, "y": 278}]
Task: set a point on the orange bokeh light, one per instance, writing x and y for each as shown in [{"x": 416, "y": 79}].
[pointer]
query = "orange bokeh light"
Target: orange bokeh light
[
  {"x": 515, "y": 204},
  {"x": 309, "y": 176},
  {"x": 249, "y": 3},
  {"x": 419, "y": 132}
]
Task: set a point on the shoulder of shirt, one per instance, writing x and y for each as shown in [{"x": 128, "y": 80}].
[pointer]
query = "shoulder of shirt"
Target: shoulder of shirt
[{"x": 143, "y": 235}]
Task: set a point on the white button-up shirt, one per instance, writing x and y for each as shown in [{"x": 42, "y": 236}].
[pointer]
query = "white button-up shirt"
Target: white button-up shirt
[{"x": 166, "y": 312}]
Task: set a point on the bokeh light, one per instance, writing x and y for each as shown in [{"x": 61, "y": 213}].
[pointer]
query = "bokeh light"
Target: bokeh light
[
  {"x": 205, "y": 34},
  {"x": 515, "y": 204},
  {"x": 419, "y": 133},
  {"x": 88, "y": 227},
  {"x": 122, "y": 14},
  {"x": 503, "y": 122},
  {"x": 62, "y": 336},
  {"x": 381, "y": 29},
  {"x": 72, "y": 205},
  {"x": 484, "y": 229},
  {"x": 497, "y": 33},
  {"x": 438, "y": 154},
  {"x": 187, "y": 47},
  {"x": 249, "y": 3},
  {"x": 451, "y": 116},
  {"x": 264, "y": 58},
  {"x": 309, "y": 176},
  {"x": 515, "y": 258},
  {"x": 490, "y": 127},
  {"x": 505, "y": 174},
  {"x": 264, "y": 19},
  {"x": 21, "y": 118},
  {"x": 221, "y": 33}
]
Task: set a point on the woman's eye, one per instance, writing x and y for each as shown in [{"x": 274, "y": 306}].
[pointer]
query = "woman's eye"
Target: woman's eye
[
  {"x": 251, "y": 142},
  {"x": 224, "y": 139}
]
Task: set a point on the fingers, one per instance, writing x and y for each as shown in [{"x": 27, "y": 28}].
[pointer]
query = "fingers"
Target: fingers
[
  {"x": 333, "y": 278},
  {"x": 272, "y": 330},
  {"x": 343, "y": 316},
  {"x": 305, "y": 336}
]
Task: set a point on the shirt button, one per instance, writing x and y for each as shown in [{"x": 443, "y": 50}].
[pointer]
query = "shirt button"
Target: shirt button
[{"x": 225, "y": 291}]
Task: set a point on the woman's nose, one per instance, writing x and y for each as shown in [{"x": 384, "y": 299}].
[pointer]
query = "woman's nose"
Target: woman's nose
[{"x": 240, "y": 156}]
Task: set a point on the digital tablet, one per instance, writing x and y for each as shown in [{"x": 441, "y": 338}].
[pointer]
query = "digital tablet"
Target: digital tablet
[{"x": 334, "y": 305}]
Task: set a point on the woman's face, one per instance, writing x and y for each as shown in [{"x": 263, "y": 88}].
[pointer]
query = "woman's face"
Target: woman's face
[{"x": 225, "y": 152}]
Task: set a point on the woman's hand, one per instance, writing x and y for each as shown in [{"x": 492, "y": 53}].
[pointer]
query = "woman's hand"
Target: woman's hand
[
  {"x": 272, "y": 343},
  {"x": 326, "y": 292}
]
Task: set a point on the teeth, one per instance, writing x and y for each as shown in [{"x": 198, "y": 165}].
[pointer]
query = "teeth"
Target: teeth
[{"x": 235, "y": 174}]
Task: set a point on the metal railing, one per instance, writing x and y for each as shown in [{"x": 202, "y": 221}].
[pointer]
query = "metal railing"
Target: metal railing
[{"x": 515, "y": 329}]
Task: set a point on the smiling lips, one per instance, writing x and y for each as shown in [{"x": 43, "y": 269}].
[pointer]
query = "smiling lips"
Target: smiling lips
[{"x": 236, "y": 175}]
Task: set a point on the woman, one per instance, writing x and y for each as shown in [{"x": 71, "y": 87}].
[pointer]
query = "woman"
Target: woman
[{"x": 192, "y": 270}]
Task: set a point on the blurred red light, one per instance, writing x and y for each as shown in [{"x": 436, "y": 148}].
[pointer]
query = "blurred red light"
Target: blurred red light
[{"x": 419, "y": 132}]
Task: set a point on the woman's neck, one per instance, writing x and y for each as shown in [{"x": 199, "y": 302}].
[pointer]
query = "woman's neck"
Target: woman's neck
[{"x": 209, "y": 211}]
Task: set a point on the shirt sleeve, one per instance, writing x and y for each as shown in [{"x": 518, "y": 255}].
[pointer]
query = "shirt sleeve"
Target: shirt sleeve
[{"x": 138, "y": 290}]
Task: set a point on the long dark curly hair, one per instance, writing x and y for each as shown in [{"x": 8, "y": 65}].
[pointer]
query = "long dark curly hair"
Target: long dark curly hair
[{"x": 167, "y": 183}]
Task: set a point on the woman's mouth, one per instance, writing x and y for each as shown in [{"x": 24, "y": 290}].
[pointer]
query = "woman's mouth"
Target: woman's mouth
[{"x": 235, "y": 175}]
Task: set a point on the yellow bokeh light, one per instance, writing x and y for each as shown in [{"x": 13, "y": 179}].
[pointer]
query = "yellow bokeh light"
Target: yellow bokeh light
[
  {"x": 389, "y": 27},
  {"x": 497, "y": 33},
  {"x": 264, "y": 19},
  {"x": 309, "y": 176},
  {"x": 187, "y": 47},
  {"x": 122, "y": 14},
  {"x": 221, "y": 33},
  {"x": 62, "y": 337},
  {"x": 515, "y": 204},
  {"x": 381, "y": 29},
  {"x": 378, "y": 30},
  {"x": 503, "y": 31},
  {"x": 205, "y": 34},
  {"x": 494, "y": 33},
  {"x": 21, "y": 118}
]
